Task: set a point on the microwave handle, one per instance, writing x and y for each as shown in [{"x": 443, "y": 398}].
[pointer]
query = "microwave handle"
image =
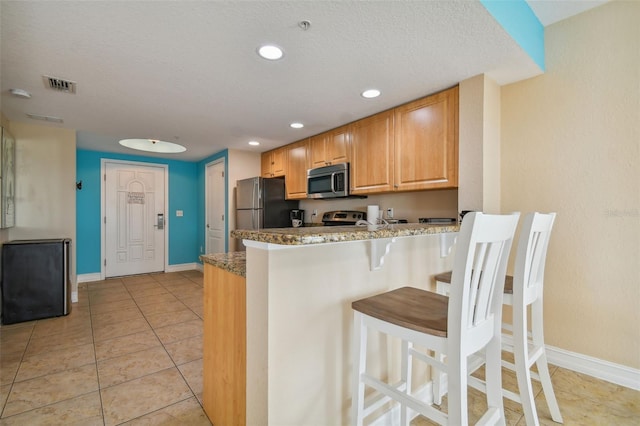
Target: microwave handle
[{"x": 333, "y": 179}]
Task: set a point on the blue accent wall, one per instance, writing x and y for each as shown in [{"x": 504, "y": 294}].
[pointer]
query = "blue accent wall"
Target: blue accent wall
[
  {"x": 517, "y": 18},
  {"x": 184, "y": 194},
  {"x": 202, "y": 169}
]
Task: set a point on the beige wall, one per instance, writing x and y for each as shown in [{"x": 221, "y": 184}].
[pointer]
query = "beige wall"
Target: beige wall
[
  {"x": 570, "y": 143},
  {"x": 479, "y": 145},
  {"x": 242, "y": 165},
  {"x": 45, "y": 184},
  {"x": 4, "y": 233}
]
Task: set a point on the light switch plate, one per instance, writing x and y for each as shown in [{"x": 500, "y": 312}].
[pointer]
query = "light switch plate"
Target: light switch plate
[{"x": 179, "y": 213}]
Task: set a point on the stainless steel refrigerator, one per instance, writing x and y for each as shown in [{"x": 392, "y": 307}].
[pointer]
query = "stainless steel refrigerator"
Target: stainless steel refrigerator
[{"x": 260, "y": 203}]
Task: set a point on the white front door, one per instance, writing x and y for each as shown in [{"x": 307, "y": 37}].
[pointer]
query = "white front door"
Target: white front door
[
  {"x": 135, "y": 218},
  {"x": 215, "y": 207}
]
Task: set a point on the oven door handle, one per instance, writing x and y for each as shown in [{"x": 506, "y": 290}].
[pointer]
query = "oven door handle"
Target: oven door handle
[{"x": 333, "y": 179}]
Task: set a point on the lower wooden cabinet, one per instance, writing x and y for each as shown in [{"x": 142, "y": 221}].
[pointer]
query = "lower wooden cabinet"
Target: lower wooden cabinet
[{"x": 224, "y": 369}]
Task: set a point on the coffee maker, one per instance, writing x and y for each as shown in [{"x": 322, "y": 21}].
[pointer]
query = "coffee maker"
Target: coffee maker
[{"x": 297, "y": 217}]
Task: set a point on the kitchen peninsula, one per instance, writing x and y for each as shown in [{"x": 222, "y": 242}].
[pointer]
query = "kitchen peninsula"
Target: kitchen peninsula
[{"x": 277, "y": 344}]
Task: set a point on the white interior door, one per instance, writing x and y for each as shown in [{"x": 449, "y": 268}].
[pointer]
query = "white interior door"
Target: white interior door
[
  {"x": 135, "y": 219},
  {"x": 215, "y": 208}
]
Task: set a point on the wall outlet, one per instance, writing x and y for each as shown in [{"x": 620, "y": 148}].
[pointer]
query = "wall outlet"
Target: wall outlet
[
  {"x": 179, "y": 213},
  {"x": 390, "y": 212}
]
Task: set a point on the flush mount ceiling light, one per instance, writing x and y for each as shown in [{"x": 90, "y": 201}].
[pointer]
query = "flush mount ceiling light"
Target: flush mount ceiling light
[
  {"x": 254, "y": 143},
  {"x": 153, "y": 145},
  {"x": 270, "y": 52},
  {"x": 297, "y": 125},
  {"x": 371, "y": 93},
  {"x": 20, "y": 93}
]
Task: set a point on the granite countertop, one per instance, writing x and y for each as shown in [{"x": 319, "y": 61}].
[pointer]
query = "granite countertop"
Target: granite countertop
[
  {"x": 334, "y": 234},
  {"x": 234, "y": 262}
]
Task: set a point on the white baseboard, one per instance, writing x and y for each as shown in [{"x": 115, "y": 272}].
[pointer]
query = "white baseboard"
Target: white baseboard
[
  {"x": 85, "y": 278},
  {"x": 598, "y": 368},
  {"x": 183, "y": 267},
  {"x": 594, "y": 367}
]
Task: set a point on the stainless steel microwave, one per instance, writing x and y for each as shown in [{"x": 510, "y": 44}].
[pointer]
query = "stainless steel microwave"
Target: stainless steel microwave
[{"x": 328, "y": 181}]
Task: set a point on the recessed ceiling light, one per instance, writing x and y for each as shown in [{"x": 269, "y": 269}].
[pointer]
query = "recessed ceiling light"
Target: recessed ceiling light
[
  {"x": 297, "y": 125},
  {"x": 20, "y": 93},
  {"x": 371, "y": 93},
  {"x": 254, "y": 143},
  {"x": 270, "y": 52},
  {"x": 153, "y": 145}
]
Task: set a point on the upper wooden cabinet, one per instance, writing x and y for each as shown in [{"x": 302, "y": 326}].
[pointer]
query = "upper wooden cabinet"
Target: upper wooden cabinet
[
  {"x": 273, "y": 163},
  {"x": 330, "y": 147},
  {"x": 426, "y": 143},
  {"x": 372, "y": 154},
  {"x": 297, "y": 163}
]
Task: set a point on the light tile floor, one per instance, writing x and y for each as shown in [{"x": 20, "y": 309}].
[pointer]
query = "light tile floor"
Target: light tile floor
[
  {"x": 130, "y": 353},
  {"x": 583, "y": 400}
]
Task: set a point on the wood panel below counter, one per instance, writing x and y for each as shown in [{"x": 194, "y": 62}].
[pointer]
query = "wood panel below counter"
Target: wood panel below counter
[{"x": 224, "y": 346}]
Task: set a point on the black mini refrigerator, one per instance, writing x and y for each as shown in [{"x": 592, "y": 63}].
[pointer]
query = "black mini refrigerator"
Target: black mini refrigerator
[{"x": 36, "y": 280}]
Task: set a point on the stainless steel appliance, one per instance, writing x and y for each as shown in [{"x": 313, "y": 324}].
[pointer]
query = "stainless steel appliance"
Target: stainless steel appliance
[
  {"x": 343, "y": 217},
  {"x": 328, "y": 181},
  {"x": 260, "y": 203},
  {"x": 35, "y": 279}
]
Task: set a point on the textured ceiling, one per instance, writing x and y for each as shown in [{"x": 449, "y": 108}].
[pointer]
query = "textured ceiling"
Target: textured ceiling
[{"x": 188, "y": 71}]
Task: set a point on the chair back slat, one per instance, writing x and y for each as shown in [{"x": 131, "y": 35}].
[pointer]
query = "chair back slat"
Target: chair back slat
[
  {"x": 531, "y": 255},
  {"x": 481, "y": 307},
  {"x": 479, "y": 270}
]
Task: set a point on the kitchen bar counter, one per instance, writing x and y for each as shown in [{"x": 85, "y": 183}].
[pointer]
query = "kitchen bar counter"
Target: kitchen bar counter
[
  {"x": 234, "y": 262},
  {"x": 335, "y": 234},
  {"x": 277, "y": 338}
]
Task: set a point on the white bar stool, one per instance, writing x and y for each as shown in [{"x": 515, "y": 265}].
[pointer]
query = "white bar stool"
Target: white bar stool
[
  {"x": 462, "y": 324},
  {"x": 523, "y": 289}
]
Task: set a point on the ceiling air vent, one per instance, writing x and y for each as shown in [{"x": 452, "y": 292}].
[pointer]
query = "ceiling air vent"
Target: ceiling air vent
[{"x": 59, "y": 84}]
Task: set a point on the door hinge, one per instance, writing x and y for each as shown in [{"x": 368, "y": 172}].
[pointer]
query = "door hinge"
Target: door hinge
[
  {"x": 222, "y": 173},
  {"x": 105, "y": 219},
  {"x": 105, "y": 262},
  {"x": 223, "y": 218},
  {"x": 105, "y": 177}
]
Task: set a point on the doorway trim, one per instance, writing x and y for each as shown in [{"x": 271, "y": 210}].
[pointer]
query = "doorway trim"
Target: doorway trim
[
  {"x": 226, "y": 203},
  {"x": 103, "y": 208}
]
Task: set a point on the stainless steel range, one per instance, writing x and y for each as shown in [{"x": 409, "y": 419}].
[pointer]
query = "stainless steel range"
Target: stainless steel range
[{"x": 343, "y": 217}]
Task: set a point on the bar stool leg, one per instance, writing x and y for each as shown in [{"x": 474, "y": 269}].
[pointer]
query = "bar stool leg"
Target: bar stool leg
[
  {"x": 359, "y": 367},
  {"x": 541, "y": 362}
]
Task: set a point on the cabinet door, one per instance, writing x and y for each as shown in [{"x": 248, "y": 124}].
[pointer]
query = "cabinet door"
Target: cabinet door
[
  {"x": 278, "y": 164},
  {"x": 426, "y": 143},
  {"x": 317, "y": 150},
  {"x": 337, "y": 145},
  {"x": 295, "y": 180},
  {"x": 372, "y": 154},
  {"x": 265, "y": 164}
]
